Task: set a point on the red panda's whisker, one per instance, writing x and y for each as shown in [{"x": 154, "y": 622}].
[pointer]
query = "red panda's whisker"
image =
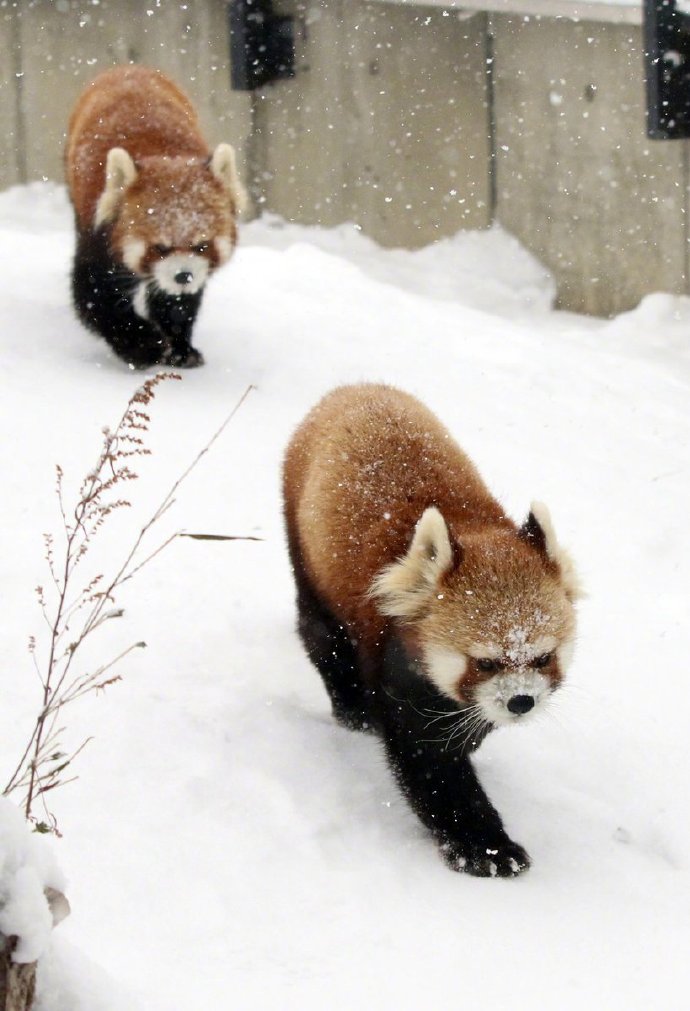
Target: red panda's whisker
[
  {"x": 473, "y": 730},
  {"x": 442, "y": 712},
  {"x": 444, "y": 716},
  {"x": 470, "y": 726},
  {"x": 424, "y": 711},
  {"x": 445, "y": 736},
  {"x": 470, "y": 716}
]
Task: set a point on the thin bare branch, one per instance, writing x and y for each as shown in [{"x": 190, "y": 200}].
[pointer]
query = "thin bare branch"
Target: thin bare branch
[
  {"x": 72, "y": 613},
  {"x": 219, "y": 537}
]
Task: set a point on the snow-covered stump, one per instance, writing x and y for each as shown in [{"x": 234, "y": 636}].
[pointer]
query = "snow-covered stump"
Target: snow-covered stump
[
  {"x": 17, "y": 979},
  {"x": 31, "y": 904}
]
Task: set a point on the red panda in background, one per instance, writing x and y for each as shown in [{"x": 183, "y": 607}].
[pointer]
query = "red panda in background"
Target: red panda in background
[
  {"x": 431, "y": 617},
  {"x": 155, "y": 214}
]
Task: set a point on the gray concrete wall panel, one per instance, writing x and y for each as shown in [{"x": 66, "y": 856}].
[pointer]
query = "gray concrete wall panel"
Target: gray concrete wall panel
[
  {"x": 386, "y": 122},
  {"x": 578, "y": 181},
  {"x": 12, "y": 150}
]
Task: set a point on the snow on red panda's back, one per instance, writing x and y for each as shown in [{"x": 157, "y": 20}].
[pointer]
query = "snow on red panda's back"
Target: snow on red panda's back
[
  {"x": 377, "y": 493},
  {"x": 134, "y": 107}
]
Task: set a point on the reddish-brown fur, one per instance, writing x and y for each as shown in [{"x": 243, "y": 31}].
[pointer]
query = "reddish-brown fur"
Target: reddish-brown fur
[
  {"x": 155, "y": 213},
  {"x": 134, "y": 107},
  {"x": 141, "y": 110},
  {"x": 429, "y": 614},
  {"x": 359, "y": 473}
]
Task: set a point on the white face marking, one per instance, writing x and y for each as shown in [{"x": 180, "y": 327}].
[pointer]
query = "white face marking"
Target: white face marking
[
  {"x": 223, "y": 249},
  {"x": 139, "y": 301},
  {"x": 492, "y": 696},
  {"x": 445, "y": 667},
  {"x": 544, "y": 644},
  {"x": 132, "y": 254},
  {"x": 485, "y": 651},
  {"x": 168, "y": 273}
]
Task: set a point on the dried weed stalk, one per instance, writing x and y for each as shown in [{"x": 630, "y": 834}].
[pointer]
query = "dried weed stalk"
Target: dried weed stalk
[{"x": 73, "y": 612}]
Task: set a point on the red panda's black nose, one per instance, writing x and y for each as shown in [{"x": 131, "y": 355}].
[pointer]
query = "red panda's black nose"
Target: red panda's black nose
[
  {"x": 183, "y": 277},
  {"x": 520, "y": 704}
]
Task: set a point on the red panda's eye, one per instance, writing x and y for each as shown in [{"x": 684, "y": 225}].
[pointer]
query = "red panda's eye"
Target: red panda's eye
[
  {"x": 201, "y": 248},
  {"x": 162, "y": 250},
  {"x": 542, "y": 661},
  {"x": 488, "y": 666}
]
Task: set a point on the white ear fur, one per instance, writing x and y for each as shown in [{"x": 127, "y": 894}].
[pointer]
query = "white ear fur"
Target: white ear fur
[
  {"x": 556, "y": 553},
  {"x": 224, "y": 167},
  {"x": 403, "y": 587},
  {"x": 120, "y": 172}
]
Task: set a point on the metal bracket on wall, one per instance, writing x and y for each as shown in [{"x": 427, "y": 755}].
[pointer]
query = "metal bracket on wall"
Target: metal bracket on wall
[
  {"x": 262, "y": 47},
  {"x": 667, "y": 68}
]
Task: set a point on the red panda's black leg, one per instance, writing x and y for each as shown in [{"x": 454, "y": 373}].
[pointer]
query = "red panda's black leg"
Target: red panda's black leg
[
  {"x": 102, "y": 298},
  {"x": 439, "y": 780},
  {"x": 334, "y": 655},
  {"x": 104, "y": 294},
  {"x": 444, "y": 791},
  {"x": 330, "y": 650},
  {"x": 174, "y": 315}
]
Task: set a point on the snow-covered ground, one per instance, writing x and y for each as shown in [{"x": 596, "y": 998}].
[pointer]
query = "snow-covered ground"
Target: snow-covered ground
[{"x": 226, "y": 845}]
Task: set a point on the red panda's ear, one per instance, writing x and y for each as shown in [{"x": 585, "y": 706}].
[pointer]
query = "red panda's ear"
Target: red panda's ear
[
  {"x": 224, "y": 167},
  {"x": 404, "y": 587},
  {"x": 120, "y": 172},
  {"x": 538, "y": 531},
  {"x": 533, "y": 532}
]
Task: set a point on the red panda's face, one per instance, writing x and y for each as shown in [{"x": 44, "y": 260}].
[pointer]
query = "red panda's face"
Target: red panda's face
[
  {"x": 174, "y": 225},
  {"x": 499, "y": 632},
  {"x": 491, "y": 617}
]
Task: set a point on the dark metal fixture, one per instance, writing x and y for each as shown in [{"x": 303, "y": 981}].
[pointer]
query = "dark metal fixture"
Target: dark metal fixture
[
  {"x": 667, "y": 68},
  {"x": 262, "y": 46}
]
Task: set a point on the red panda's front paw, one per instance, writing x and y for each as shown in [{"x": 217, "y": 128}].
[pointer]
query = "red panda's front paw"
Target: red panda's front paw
[
  {"x": 505, "y": 859},
  {"x": 189, "y": 358}
]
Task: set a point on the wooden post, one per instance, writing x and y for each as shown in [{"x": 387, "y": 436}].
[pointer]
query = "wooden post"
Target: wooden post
[{"x": 18, "y": 979}]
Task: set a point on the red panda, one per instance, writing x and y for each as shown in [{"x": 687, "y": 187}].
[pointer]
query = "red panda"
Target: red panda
[
  {"x": 430, "y": 615},
  {"x": 155, "y": 214}
]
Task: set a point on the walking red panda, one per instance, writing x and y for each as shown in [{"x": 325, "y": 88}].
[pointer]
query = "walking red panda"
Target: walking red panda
[
  {"x": 431, "y": 617},
  {"x": 155, "y": 214}
]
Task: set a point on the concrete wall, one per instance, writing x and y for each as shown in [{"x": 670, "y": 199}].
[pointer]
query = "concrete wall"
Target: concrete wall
[
  {"x": 411, "y": 120},
  {"x": 12, "y": 147},
  {"x": 386, "y": 122},
  {"x": 578, "y": 181}
]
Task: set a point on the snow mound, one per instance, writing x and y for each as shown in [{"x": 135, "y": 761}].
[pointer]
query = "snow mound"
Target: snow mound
[
  {"x": 488, "y": 270},
  {"x": 37, "y": 208},
  {"x": 27, "y": 868}
]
